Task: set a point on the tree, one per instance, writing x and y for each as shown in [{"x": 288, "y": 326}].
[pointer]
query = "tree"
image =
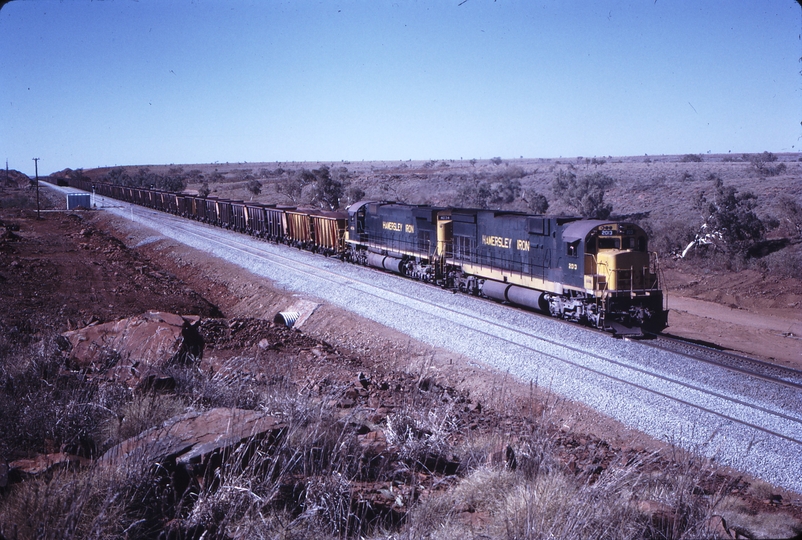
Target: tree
[
  {"x": 496, "y": 160},
  {"x": 761, "y": 164},
  {"x": 474, "y": 193},
  {"x": 293, "y": 186},
  {"x": 174, "y": 180},
  {"x": 598, "y": 162},
  {"x": 585, "y": 194},
  {"x": 791, "y": 215},
  {"x": 255, "y": 187},
  {"x": 729, "y": 220},
  {"x": 505, "y": 191},
  {"x": 204, "y": 190},
  {"x": 536, "y": 202},
  {"x": 77, "y": 174},
  {"x": 354, "y": 194},
  {"x": 327, "y": 191},
  {"x": 118, "y": 176},
  {"x": 195, "y": 175},
  {"x": 144, "y": 178}
]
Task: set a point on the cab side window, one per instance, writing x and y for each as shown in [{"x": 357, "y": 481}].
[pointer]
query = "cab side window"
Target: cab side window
[{"x": 573, "y": 249}]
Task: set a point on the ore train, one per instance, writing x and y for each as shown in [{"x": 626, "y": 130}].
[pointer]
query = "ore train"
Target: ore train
[{"x": 595, "y": 272}]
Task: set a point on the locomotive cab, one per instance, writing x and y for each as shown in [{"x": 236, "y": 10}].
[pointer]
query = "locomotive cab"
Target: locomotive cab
[
  {"x": 613, "y": 265},
  {"x": 617, "y": 260}
]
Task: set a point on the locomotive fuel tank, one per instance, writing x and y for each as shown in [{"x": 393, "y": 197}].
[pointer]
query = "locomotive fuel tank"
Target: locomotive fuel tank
[{"x": 520, "y": 296}]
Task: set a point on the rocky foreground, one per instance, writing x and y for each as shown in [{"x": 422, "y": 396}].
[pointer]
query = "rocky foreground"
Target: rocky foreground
[{"x": 135, "y": 404}]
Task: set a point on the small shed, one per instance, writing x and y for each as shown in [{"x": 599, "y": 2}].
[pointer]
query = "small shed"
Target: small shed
[{"x": 74, "y": 200}]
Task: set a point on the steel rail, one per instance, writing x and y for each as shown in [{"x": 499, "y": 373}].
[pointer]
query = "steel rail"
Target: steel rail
[{"x": 795, "y": 373}]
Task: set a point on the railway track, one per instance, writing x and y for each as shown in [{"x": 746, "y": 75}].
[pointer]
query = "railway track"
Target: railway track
[
  {"x": 650, "y": 386},
  {"x": 500, "y": 331},
  {"x": 752, "y": 367}
]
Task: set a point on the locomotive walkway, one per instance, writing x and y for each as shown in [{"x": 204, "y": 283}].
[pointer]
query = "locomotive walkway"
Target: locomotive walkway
[{"x": 750, "y": 424}]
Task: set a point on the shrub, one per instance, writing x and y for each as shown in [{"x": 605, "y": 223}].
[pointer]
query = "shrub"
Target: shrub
[
  {"x": 43, "y": 410},
  {"x": 254, "y": 186},
  {"x": 537, "y": 203},
  {"x": 585, "y": 194},
  {"x": 93, "y": 503},
  {"x": 731, "y": 216}
]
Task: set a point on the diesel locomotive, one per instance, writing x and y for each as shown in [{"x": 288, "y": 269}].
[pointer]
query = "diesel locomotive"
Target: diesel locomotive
[{"x": 595, "y": 272}]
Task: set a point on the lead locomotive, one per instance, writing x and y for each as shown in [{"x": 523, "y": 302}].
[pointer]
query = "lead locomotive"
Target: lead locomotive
[{"x": 589, "y": 271}]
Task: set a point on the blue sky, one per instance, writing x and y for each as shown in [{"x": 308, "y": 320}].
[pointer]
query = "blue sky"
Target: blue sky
[{"x": 127, "y": 82}]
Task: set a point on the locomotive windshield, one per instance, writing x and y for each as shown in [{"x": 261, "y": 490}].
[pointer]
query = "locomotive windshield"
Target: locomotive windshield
[
  {"x": 620, "y": 239},
  {"x": 610, "y": 243}
]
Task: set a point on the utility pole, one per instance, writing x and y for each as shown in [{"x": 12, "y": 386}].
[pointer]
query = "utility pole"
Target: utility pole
[{"x": 36, "y": 165}]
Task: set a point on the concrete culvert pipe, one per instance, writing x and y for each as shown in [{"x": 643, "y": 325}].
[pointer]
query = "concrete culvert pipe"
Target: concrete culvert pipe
[{"x": 287, "y": 318}]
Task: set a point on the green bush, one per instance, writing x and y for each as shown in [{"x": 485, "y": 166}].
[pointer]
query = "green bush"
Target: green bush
[
  {"x": 731, "y": 215},
  {"x": 585, "y": 194}
]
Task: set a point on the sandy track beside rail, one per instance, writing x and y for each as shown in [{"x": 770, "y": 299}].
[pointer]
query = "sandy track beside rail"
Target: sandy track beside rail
[{"x": 755, "y": 333}]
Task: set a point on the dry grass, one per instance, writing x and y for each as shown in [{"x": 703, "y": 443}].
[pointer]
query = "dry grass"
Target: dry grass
[
  {"x": 500, "y": 503},
  {"x": 91, "y": 503},
  {"x": 318, "y": 479}
]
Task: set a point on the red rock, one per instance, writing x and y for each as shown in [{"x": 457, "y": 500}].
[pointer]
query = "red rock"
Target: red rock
[
  {"x": 43, "y": 463},
  {"x": 345, "y": 403},
  {"x": 141, "y": 344},
  {"x": 192, "y": 437},
  {"x": 374, "y": 442}
]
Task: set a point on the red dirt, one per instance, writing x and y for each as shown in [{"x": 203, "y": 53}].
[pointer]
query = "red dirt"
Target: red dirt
[
  {"x": 740, "y": 311},
  {"x": 71, "y": 268}
]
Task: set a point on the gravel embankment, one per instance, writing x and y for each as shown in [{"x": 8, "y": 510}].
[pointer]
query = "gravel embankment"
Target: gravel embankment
[{"x": 749, "y": 424}]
